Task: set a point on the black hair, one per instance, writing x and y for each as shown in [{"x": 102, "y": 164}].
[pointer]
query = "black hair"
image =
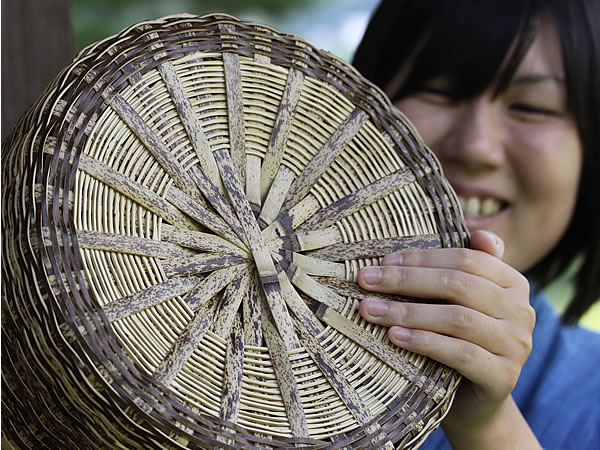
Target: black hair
[{"x": 476, "y": 44}]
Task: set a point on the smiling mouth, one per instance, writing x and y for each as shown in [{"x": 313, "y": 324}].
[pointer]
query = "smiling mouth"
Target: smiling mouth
[{"x": 475, "y": 207}]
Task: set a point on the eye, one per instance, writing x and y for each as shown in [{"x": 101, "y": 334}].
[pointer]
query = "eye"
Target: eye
[
  {"x": 532, "y": 110},
  {"x": 434, "y": 94}
]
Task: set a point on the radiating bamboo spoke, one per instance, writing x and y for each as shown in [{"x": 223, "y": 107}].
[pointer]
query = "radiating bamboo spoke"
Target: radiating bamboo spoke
[
  {"x": 322, "y": 160},
  {"x": 205, "y": 242},
  {"x": 190, "y": 122},
  {"x": 335, "y": 376},
  {"x": 135, "y": 191},
  {"x": 213, "y": 283},
  {"x": 134, "y": 245},
  {"x": 204, "y": 262},
  {"x": 374, "y": 248},
  {"x": 235, "y": 108},
  {"x": 155, "y": 145},
  {"x": 358, "y": 199},
  {"x": 283, "y": 124},
  {"x": 151, "y": 296},
  {"x": 233, "y": 296},
  {"x": 285, "y": 374},
  {"x": 186, "y": 343},
  {"x": 368, "y": 342},
  {"x": 202, "y": 215},
  {"x": 316, "y": 290},
  {"x": 232, "y": 378}
]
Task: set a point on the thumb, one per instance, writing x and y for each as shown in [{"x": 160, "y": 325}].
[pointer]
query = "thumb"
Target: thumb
[{"x": 488, "y": 242}]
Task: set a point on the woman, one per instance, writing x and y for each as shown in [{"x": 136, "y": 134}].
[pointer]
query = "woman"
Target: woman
[{"x": 507, "y": 95}]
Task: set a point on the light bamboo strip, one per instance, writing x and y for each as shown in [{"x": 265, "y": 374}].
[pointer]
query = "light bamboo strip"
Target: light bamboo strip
[
  {"x": 232, "y": 376},
  {"x": 125, "y": 243},
  {"x": 359, "y": 199},
  {"x": 233, "y": 296},
  {"x": 276, "y": 195},
  {"x": 316, "y": 290},
  {"x": 292, "y": 219},
  {"x": 135, "y": 191},
  {"x": 373, "y": 248},
  {"x": 281, "y": 130},
  {"x": 190, "y": 122},
  {"x": 201, "y": 241},
  {"x": 307, "y": 240},
  {"x": 203, "y": 262},
  {"x": 186, "y": 343},
  {"x": 322, "y": 160},
  {"x": 315, "y": 266},
  {"x": 284, "y": 373},
  {"x": 235, "y": 111},
  {"x": 149, "y": 297}
]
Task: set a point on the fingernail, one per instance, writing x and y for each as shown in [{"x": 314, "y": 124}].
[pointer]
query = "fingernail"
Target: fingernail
[
  {"x": 371, "y": 275},
  {"x": 399, "y": 334},
  {"x": 495, "y": 237},
  {"x": 393, "y": 259},
  {"x": 376, "y": 308}
]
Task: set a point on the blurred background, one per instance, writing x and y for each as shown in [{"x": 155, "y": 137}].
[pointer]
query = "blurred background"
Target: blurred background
[{"x": 39, "y": 37}]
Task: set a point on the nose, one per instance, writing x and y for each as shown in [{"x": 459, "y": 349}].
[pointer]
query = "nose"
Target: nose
[{"x": 475, "y": 142}]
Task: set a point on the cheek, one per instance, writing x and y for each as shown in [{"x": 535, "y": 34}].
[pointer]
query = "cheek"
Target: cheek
[
  {"x": 549, "y": 165},
  {"x": 547, "y": 170},
  {"x": 430, "y": 121}
]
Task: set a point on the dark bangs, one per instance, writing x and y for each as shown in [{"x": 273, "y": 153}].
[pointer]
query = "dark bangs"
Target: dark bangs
[{"x": 471, "y": 43}]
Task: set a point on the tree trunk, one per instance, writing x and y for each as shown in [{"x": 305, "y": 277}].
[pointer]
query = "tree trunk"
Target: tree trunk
[{"x": 37, "y": 42}]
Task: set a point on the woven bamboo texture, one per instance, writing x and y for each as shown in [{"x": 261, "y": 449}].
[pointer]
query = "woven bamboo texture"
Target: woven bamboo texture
[{"x": 186, "y": 209}]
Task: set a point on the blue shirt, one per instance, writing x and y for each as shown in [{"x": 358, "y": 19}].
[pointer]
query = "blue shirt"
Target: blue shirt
[{"x": 558, "y": 391}]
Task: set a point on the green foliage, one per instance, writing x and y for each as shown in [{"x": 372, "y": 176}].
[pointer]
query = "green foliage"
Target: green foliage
[{"x": 94, "y": 20}]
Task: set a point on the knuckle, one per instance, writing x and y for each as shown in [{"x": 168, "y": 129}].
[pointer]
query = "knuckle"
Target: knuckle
[
  {"x": 531, "y": 318},
  {"x": 400, "y": 277},
  {"x": 401, "y": 312},
  {"x": 466, "y": 259},
  {"x": 460, "y": 318},
  {"x": 466, "y": 354},
  {"x": 454, "y": 282},
  {"x": 511, "y": 375}
]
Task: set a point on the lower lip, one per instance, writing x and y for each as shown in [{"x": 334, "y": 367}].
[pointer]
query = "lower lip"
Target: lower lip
[{"x": 484, "y": 222}]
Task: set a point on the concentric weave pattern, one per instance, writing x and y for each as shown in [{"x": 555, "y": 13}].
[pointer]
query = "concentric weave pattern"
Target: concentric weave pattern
[{"x": 186, "y": 210}]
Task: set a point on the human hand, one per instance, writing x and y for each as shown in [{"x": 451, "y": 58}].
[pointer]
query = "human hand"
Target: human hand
[{"x": 484, "y": 331}]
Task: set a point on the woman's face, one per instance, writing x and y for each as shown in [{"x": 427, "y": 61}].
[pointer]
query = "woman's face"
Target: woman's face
[{"x": 514, "y": 159}]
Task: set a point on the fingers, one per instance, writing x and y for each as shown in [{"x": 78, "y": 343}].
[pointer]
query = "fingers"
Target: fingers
[
  {"x": 453, "y": 285},
  {"x": 482, "y": 260},
  {"x": 487, "y": 242},
  {"x": 450, "y": 320},
  {"x": 487, "y": 351},
  {"x": 493, "y": 373}
]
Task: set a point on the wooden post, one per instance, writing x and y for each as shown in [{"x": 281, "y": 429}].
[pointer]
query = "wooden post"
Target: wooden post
[{"x": 37, "y": 42}]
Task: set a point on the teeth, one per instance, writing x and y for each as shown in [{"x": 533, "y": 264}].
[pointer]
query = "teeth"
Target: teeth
[{"x": 476, "y": 207}]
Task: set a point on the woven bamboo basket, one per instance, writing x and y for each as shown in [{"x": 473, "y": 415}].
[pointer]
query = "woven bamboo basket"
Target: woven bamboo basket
[{"x": 185, "y": 212}]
